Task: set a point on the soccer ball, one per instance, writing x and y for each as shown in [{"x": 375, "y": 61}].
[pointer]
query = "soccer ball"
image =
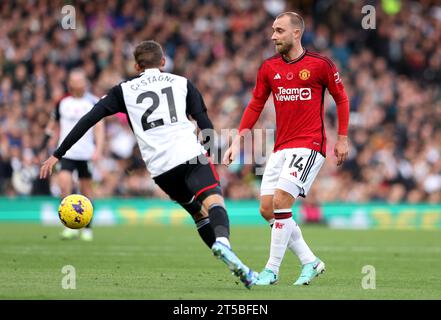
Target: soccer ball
[{"x": 75, "y": 211}]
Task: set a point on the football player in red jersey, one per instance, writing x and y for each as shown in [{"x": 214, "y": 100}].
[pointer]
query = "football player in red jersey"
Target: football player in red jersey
[{"x": 297, "y": 79}]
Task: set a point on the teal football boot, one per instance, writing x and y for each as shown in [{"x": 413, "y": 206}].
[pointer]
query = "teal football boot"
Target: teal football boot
[
  {"x": 310, "y": 271},
  {"x": 247, "y": 276},
  {"x": 266, "y": 278}
]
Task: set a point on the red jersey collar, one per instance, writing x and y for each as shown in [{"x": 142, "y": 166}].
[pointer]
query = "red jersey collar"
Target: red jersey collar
[{"x": 296, "y": 59}]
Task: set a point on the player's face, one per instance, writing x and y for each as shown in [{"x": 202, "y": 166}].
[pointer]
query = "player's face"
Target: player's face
[
  {"x": 77, "y": 84},
  {"x": 283, "y": 34}
]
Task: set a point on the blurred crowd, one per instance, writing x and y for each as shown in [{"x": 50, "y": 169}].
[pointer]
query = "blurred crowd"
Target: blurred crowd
[{"x": 392, "y": 75}]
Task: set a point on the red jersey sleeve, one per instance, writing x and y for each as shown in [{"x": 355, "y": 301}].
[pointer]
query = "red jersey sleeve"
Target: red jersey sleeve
[
  {"x": 261, "y": 93},
  {"x": 335, "y": 86}
]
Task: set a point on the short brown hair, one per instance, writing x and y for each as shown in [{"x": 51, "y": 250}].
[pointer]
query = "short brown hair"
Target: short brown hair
[
  {"x": 295, "y": 18},
  {"x": 148, "y": 54}
]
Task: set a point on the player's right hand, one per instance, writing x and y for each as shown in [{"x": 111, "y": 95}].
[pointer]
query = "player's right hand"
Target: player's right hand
[
  {"x": 97, "y": 156},
  {"x": 47, "y": 166}
]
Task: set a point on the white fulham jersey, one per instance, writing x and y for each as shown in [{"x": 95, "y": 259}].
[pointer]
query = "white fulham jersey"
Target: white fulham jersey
[
  {"x": 68, "y": 112},
  {"x": 157, "y": 105}
]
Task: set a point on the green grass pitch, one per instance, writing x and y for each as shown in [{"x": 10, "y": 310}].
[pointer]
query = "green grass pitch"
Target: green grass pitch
[{"x": 170, "y": 262}]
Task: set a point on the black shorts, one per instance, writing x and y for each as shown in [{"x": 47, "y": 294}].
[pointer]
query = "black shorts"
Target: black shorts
[
  {"x": 80, "y": 165},
  {"x": 193, "y": 178}
]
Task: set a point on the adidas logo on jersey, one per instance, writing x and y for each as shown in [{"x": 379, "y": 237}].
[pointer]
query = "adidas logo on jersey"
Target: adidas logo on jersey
[{"x": 277, "y": 77}]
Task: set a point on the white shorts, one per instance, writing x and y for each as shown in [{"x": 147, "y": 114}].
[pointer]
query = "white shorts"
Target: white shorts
[{"x": 291, "y": 170}]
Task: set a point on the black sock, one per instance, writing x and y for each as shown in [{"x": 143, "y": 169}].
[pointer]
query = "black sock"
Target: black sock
[
  {"x": 219, "y": 221},
  {"x": 205, "y": 231}
]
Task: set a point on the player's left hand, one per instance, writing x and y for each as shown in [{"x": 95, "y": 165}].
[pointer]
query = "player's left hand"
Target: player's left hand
[
  {"x": 341, "y": 149},
  {"x": 232, "y": 151},
  {"x": 46, "y": 167}
]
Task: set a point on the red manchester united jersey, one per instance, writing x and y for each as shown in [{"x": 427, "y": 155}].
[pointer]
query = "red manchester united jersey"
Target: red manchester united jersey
[{"x": 298, "y": 89}]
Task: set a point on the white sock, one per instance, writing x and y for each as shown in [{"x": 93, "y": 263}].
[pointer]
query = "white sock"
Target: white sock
[
  {"x": 224, "y": 241},
  {"x": 280, "y": 234},
  {"x": 298, "y": 245}
]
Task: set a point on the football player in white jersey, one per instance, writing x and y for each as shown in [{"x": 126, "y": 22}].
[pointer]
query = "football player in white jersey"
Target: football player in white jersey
[
  {"x": 69, "y": 110},
  {"x": 158, "y": 106}
]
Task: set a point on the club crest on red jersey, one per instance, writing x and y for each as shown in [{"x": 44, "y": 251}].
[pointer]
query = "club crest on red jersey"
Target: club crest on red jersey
[{"x": 304, "y": 74}]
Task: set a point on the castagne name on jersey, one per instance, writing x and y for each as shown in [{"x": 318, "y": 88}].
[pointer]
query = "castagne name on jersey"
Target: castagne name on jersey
[{"x": 150, "y": 80}]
